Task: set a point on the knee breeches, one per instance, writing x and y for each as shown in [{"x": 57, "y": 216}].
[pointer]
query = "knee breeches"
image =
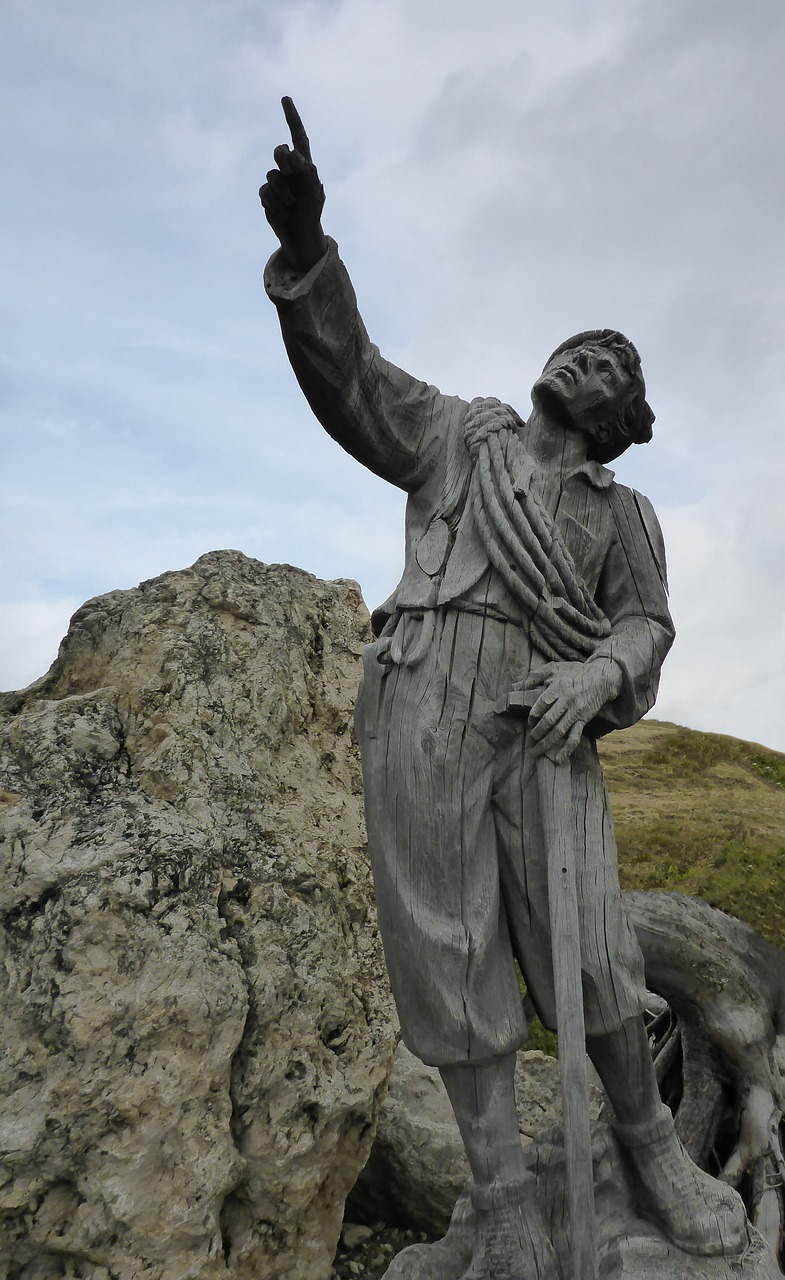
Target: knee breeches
[{"x": 459, "y": 862}]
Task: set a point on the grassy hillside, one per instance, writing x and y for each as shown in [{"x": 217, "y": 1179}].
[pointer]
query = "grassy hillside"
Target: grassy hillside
[{"x": 701, "y": 813}]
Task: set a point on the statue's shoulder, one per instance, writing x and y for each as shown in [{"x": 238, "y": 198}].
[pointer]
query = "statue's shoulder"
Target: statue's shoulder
[{"x": 637, "y": 521}]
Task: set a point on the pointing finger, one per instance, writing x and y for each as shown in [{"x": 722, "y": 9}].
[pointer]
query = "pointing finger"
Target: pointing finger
[{"x": 296, "y": 128}]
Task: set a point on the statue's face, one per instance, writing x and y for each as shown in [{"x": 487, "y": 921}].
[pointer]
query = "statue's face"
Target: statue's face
[{"x": 582, "y": 384}]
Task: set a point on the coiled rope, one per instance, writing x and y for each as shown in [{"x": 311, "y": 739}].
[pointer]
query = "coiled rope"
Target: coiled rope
[{"x": 523, "y": 543}]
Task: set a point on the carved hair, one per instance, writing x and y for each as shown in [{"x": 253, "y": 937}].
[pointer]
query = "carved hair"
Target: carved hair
[{"x": 632, "y": 420}]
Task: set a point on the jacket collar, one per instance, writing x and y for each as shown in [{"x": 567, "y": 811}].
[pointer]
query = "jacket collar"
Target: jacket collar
[{"x": 598, "y": 476}]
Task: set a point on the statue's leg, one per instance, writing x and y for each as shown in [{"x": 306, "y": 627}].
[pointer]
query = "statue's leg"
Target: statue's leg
[
  {"x": 428, "y": 778},
  {"x": 623, "y": 1062},
  {"x": 698, "y": 1213},
  {"x": 428, "y": 738},
  {"x": 483, "y": 1100},
  {"x": 611, "y": 961},
  {"x": 510, "y": 1238}
]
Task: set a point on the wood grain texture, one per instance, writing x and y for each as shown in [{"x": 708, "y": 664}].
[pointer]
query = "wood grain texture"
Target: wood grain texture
[
  {"x": 556, "y": 799},
  {"x": 526, "y": 565},
  {"x": 726, "y": 988}
]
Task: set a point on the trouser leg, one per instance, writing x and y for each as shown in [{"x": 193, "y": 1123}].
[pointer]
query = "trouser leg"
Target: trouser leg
[
  {"x": 622, "y": 1060},
  {"x": 510, "y": 1241},
  {"x": 611, "y": 960},
  {"x": 483, "y": 1100},
  {"x": 428, "y": 773}
]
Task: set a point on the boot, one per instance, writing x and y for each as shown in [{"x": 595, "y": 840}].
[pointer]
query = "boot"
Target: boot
[
  {"x": 446, "y": 1259},
  {"x": 510, "y": 1241},
  {"x": 697, "y": 1213}
]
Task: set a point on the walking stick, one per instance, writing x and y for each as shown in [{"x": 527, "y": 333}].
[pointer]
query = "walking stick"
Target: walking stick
[{"x": 558, "y": 819}]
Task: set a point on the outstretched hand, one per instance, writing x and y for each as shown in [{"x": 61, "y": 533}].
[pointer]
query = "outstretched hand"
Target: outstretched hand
[
  {"x": 293, "y": 197},
  {"x": 563, "y": 697}
]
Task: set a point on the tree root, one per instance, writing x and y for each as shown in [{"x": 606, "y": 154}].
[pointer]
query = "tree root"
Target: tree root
[{"x": 721, "y": 1057}]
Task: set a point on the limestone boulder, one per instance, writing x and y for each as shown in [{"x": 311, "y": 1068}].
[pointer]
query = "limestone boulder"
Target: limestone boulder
[{"x": 197, "y": 1028}]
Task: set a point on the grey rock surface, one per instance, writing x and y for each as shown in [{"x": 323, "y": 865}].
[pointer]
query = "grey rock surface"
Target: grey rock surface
[
  {"x": 197, "y": 1028},
  {"x": 417, "y": 1165}
]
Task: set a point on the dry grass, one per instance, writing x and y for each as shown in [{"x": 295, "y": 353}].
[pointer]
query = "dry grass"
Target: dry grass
[{"x": 701, "y": 813}]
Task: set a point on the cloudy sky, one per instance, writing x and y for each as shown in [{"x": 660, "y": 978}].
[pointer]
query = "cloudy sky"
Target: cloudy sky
[{"x": 499, "y": 176}]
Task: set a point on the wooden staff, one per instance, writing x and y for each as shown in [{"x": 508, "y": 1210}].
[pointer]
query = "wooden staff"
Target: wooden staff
[{"x": 558, "y": 819}]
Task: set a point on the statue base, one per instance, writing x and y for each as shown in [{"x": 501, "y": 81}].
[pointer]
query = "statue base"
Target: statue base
[
  {"x": 629, "y": 1247},
  {"x": 648, "y": 1257}
]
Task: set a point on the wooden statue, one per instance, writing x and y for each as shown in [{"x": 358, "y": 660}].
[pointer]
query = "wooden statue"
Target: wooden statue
[{"x": 531, "y": 618}]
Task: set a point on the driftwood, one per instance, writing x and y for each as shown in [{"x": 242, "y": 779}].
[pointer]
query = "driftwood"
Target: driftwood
[{"x": 719, "y": 1045}]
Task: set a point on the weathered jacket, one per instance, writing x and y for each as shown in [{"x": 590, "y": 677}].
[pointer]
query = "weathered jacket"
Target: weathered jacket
[{"x": 412, "y": 435}]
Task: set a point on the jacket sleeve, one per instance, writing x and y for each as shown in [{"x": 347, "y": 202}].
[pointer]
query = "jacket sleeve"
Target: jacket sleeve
[
  {"x": 379, "y": 414},
  {"x": 633, "y": 593}
]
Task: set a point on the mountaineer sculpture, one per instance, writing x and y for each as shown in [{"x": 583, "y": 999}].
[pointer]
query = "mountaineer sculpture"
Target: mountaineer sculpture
[{"x": 531, "y": 618}]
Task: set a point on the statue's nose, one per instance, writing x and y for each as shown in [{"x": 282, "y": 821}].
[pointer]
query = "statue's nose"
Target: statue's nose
[{"x": 581, "y": 359}]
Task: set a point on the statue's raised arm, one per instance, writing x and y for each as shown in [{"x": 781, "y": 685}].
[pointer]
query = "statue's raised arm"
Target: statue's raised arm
[
  {"x": 293, "y": 197},
  {"x": 390, "y": 421}
]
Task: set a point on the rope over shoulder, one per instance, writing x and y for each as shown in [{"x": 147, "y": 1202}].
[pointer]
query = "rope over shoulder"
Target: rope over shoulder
[{"x": 523, "y": 542}]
